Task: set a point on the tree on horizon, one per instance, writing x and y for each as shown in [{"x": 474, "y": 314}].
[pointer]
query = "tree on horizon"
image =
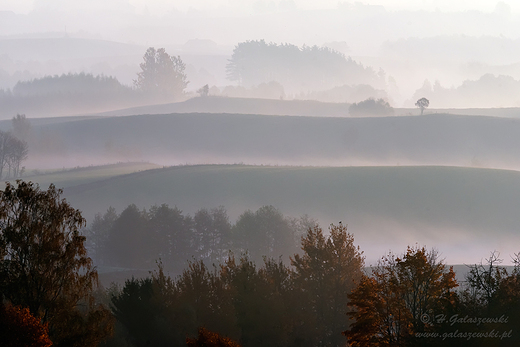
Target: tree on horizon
[{"x": 162, "y": 74}]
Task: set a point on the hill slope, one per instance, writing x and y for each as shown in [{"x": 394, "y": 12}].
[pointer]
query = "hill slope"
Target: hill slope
[
  {"x": 465, "y": 213},
  {"x": 215, "y": 104},
  {"x": 172, "y": 139}
]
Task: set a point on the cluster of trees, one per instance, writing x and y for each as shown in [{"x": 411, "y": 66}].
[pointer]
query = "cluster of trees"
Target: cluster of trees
[
  {"x": 69, "y": 84},
  {"x": 324, "y": 297},
  {"x": 297, "y": 69},
  {"x": 166, "y": 233},
  {"x": 161, "y": 79},
  {"x": 414, "y": 300},
  {"x": 390, "y": 306},
  {"x": 68, "y": 93},
  {"x": 409, "y": 299},
  {"x": 271, "y": 305}
]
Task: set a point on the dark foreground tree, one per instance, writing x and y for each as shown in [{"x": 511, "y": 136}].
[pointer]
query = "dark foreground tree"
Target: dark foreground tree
[
  {"x": 326, "y": 272},
  {"x": 490, "y": 290},
  {"x": 44, "y": 266},
  {"x": 400, "y": 300}
]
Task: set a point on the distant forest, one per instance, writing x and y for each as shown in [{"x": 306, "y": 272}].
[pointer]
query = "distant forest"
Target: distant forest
[
  {"x": 297, "y": 69},
  {"x": 261, "y": 70},
  {"x": 165, "y": 233},
  {"x": 238, "y": 285},
  {"x": 488, "y": 91},
  {"x": 258, "y": 70},
  {"x": 68, "y": 94},
  {"x": 161, "y": 79}
]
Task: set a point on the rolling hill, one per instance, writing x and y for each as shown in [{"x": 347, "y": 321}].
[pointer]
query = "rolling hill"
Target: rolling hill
[
  {"x": 83, "y": 175},
  {"x": 463, "y": 212},
  {"x": 216, "y": 104},
  {"x": 437, "y": 179},
  {"x": 214, "y": 138}
]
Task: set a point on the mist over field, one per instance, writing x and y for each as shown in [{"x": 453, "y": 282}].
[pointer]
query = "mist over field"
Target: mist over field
[
  {"x": 286, "y": 85},
  {"x": 292, "y": 173},
  {"x": 438, "y": 48}
]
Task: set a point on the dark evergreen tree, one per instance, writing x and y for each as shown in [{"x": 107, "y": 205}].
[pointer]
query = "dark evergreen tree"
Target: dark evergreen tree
[
  {"x": 98, "y": 236},
  {"x": 326, "y": 272},
  {"x": 130, "y": 241},
  {"x": 265, "y": 232},
  {"x": 173, "y": 235}
]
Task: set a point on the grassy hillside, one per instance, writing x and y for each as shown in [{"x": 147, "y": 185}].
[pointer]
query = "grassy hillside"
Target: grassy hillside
[
  {"x": 214, "y": 104},
  {"x": 195, "y": 138},
  {"x": 217, "y": 104},
  {"x": 463, "y": 212},
  {"x": 73, "y": 177},
  {"x": 505, "y": 112}
]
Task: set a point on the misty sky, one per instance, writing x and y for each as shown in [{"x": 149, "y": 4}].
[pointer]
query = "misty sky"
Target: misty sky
[
  {"x": 280, "y": 20},
  {"x": 159, "y": 7},
  {"x": 461, "y": 40}
]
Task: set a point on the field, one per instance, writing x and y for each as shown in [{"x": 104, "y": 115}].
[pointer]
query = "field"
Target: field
[
  {"x": 214, "y": 138},
  {"x": 441, "y": 180},
  {"x": 464, "y": 212},
  {"x": 82, "y": 175},
  {"x": 291, "y": 108}
]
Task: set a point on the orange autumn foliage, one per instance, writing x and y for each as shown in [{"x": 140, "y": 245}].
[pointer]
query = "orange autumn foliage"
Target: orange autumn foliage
[
  {"x": 208, "y": 338},
  {"x": 18, "y": 327}
]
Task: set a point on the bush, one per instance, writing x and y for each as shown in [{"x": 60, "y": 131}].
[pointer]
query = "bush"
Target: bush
[{"x": 371, "y": 107}]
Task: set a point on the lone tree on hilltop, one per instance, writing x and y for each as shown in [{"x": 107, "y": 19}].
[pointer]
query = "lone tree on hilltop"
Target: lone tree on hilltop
[
  {"x": 44, "y": 265},
  {"x": 422, "y": 103},
  {"x": 162, "y": 74}
]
